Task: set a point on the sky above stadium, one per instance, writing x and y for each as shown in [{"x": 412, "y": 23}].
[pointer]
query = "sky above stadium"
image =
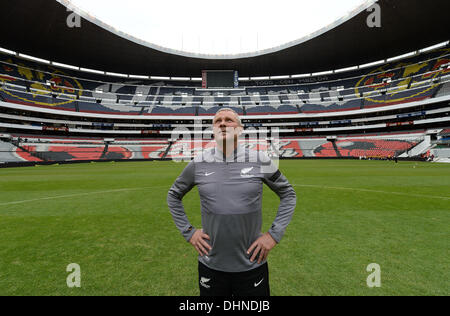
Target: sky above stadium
[{"x": 218, "y": 27}]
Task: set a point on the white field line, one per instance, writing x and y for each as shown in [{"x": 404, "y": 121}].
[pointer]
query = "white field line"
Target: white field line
[
  {"x": 157, "y": 187},
  {"x": 373, "y": 191},
  {"x": 80, "y": 194}
]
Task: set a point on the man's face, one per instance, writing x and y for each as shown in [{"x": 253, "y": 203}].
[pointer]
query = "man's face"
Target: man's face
[{"x": 226, "y": 126}]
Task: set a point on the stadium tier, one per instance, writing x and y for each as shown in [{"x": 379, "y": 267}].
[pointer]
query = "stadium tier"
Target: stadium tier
[
  {"x": 417, "y": 78},
  {"x": 30, "y": 148},
  {"x": 52, "y": 113}
]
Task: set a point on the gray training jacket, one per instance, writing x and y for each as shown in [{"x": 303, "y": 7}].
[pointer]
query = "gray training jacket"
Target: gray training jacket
[{"x": 231, "y": 200}]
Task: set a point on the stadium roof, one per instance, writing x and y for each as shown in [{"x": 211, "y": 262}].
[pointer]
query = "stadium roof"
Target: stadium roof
[{"x": 39, "y": 28}]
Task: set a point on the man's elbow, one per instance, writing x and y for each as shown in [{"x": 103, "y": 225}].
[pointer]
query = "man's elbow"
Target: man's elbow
[
  {"x": 292, "y": 197},
  {"x": 289, "y": 194},
  {"x": 172, "y": 196}
]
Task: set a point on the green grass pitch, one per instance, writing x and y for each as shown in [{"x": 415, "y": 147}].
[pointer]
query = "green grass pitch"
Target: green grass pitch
[{"x": 112, "y": 220}]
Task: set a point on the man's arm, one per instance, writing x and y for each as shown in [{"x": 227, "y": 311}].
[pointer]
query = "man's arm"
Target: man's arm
[
  {"x": 278, "y": 183},
  {"x": 288, "y": 199},
  {"x": 182, "y": 185}
]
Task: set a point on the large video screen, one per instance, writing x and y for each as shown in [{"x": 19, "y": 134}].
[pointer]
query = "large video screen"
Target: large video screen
[{"x": 220, "y": 79}]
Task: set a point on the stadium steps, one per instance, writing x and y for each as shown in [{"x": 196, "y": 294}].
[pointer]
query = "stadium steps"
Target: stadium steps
[
  {"x": 167, "y": 150},
  {"x": 443, "y": 89},
  {"x": 7, "y": 152},
  {"x": 421, "y": 147},
  {"x": 441, "y": 153},
  {"x": 34, "y": 154},
  {"x": 410, "y": 83},
  {"x": 105, "y": 151},
  {"x": 336, "y": 149},
  {"x": 442, "y": 160},
  {"x": 308, "y": 146}
]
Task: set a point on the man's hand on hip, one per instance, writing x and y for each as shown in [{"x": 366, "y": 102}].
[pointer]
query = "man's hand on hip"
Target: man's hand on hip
[
  {"x": 262, "y": 245},
  {"x": 200, "y": 244}
]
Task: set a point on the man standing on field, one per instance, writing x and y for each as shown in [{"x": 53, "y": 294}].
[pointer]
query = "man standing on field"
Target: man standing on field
[{"x": 232, "y": 250}]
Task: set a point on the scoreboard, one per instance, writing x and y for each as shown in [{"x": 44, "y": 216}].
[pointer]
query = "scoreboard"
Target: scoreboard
[{"x": 220, "y": 79}]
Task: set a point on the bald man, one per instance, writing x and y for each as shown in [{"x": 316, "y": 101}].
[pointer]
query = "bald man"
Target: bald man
[{"x": 232, "y": 250}]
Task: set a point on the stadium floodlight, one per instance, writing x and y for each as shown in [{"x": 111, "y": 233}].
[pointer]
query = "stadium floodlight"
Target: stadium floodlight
[
  {"x": 138, "y": 77},
  {"x": 65, "y": 66},
  {"x": 114, "y": 74},
  {"x": 180, "y": 78},
  {"x": 92, "y": 71},
  {"x": 430, "y": 48},
  {"x": 401, "y": 56},
  {"x": 39, "y": 60},
  {"x": 322, "y": 73},
  {"x": 279, "y": 77},
  {"x": 346, "y": 69},
  {"x": 260, "y": 78},
  {"x": 159, "y": 78},
  {"x": 7, "y": 51},
  {"x": 375, "y": 63},
  {"x": 301, "y": 76}
]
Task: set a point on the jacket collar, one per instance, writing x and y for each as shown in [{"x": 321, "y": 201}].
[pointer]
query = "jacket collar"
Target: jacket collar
[{"x": 219, "y": 155}]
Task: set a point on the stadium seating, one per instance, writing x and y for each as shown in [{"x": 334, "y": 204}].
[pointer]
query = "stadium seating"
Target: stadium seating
[
  {"x": 7, "y": 153},
  {"x": 50, "y": 105},
  {"x": 48, "y": 149},
  {"x": 445, "y": 132},
  {"x": 368, "y": 148},
  {"x": 417, "y": 78}
]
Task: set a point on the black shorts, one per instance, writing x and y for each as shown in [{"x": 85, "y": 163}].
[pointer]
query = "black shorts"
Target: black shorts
[{"x": 218, "y": 283}]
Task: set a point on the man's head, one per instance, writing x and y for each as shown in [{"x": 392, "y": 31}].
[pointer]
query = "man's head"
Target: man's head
[{"x": 227, "y": 125}]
